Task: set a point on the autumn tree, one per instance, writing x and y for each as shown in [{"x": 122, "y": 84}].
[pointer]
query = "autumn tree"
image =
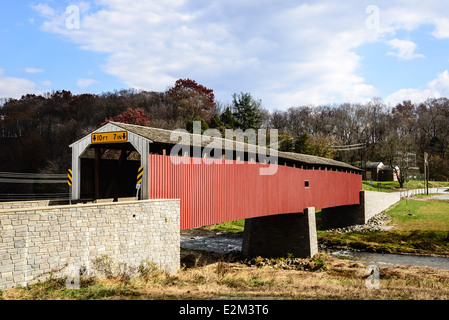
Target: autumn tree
[
  {"x": 192, "y": 100},
  {"x": 131, "y": 116},
  {"x": 323, "y": 146}
]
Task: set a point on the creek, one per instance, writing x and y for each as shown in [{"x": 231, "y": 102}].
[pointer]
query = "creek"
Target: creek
[
  {"x": 209, "y": 241},
  {"x": 390, "y": 259}
]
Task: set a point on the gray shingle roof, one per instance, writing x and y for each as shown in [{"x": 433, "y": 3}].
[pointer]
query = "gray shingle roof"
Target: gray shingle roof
[{"x": 169, "y": 137}]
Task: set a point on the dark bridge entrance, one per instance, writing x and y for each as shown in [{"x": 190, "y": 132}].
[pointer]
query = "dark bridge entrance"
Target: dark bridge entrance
[{"x": 109, "y": 171}]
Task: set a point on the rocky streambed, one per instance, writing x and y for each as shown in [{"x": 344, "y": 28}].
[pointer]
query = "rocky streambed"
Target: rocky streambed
[
  {"x": 376, "y": 223},
  {"x": 223, "y": 243}
]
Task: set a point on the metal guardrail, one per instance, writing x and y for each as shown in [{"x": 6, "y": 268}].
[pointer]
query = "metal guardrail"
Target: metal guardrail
[
  {"x": 32, "y": 178},
  {"x": 16, "y": 177},
  {"x": 33, "y": 196},
  {"x": 411, "y": 192}
]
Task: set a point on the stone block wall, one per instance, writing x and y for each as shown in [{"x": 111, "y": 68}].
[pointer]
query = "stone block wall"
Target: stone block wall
[
  {"x": 65, "y": 239},
  {"x": 23, "y": 204}
]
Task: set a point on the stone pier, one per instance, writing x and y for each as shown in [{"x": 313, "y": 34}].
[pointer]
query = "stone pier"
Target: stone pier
[{"x": 281, "y": 235}]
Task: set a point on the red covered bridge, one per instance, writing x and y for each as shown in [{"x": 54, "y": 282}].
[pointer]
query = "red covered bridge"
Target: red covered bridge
[
  {"x": 212, "y": 186},
  {"x": 218, "y": 192}
]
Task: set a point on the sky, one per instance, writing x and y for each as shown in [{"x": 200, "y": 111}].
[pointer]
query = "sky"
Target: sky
[{"x": 286, "y": 53}]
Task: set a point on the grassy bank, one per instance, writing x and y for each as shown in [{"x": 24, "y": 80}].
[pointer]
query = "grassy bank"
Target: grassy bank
[
  {"x": 421, "y": 227},
  {"x": 209, "y": 276}
]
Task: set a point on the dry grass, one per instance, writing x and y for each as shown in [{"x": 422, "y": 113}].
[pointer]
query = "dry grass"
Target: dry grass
[{"x": 212, "y": 276}]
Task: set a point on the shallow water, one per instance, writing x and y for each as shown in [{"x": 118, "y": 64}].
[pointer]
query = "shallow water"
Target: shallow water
[
  {"x": 390, "y": 259},
  {"x": 224, "y": 244},
  {"x": 212, "y": 243}
]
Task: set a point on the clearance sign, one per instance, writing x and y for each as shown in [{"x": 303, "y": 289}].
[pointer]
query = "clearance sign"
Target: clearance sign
[{"x": 109, "y": 137}]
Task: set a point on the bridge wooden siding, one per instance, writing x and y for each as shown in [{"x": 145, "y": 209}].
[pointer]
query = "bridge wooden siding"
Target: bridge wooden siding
[{"x": 219, "y": 192}]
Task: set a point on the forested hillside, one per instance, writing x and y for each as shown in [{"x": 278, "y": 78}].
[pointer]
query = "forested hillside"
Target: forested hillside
[{"x": 35, "y": 131}]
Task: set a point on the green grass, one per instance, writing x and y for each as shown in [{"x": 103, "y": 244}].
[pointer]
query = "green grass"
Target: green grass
[
  {"x": 420, "y": 227},
  {"x": 393, "y": 186},
  {"x": 400, "y": 241},
  {"x": 421, "y": 215},
  {"x": 423, "y": 196},
  {"x": 236, "y": 226}
]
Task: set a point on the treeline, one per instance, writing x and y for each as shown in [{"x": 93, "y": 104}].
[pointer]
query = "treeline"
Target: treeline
[
  {"x": 36, "y": 130},
  {"x": 397, "y": 136}
]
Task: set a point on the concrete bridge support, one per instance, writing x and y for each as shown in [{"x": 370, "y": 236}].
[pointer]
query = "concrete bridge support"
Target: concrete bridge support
[
  {"x": 344, "y": 216},
  {"x": 371, "y": 203},
  {"x": 281, "y": 235}
]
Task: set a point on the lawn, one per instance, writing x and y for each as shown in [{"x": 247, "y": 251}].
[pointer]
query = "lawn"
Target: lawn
[
  {"x": 420, "y": 227},
  {"x": 393, "y": 186},
  {"x": 421, "y": 215}
]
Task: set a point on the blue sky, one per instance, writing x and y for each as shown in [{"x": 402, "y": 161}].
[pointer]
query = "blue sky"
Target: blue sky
[{"x": 286, "y": 53}]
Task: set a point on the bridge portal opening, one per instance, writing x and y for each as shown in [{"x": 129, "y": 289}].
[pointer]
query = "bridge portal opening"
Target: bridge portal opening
[{"x": 109, "y": 171}]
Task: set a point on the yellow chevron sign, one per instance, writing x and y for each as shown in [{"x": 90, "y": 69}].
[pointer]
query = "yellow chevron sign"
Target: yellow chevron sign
[
  {"x": 69, "y": 178},
  {"x": 109, "y": 137},
  {"x": 140, "y": 175}
]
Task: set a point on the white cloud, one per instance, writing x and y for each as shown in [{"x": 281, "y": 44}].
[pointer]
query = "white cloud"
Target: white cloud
[
  {"x": 84, "y": 83},
  {"x": 244, "y": 46},
  {"x": 437, "y": 88},
  {"x": 284, "y": 52},
  {"x": 46, "y": 83},
  {"x": 441, "y": 28},
  {"x": 44, "y": 10},
  {"x": 11, "y": 87},
  {"x": 405, "y": 49},
  {"x": 33, "y": 70}
]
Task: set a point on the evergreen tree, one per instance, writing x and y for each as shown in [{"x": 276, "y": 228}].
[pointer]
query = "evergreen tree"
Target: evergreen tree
[
  {"x": 204, "y": 125},
  {"x": 228, "y": 119},
  {"x": 216, "y": 123},
  {"x": 302, "y": 144},
  {"x": 246, "y": 111}
]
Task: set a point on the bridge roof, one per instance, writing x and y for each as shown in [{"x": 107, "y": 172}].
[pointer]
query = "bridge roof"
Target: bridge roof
[{"x": 169, "y": 137}]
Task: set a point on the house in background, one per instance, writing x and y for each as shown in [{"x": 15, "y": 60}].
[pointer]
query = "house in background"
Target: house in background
[{"x": 377, "y": 171}]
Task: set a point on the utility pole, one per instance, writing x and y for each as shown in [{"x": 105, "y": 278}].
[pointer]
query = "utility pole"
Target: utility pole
[
  {"x": 426, "y": 181},
  {"x": 428, "y": 175}
]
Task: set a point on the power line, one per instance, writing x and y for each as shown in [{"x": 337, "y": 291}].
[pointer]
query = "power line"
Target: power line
[{"x": 350, "y": 147}]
